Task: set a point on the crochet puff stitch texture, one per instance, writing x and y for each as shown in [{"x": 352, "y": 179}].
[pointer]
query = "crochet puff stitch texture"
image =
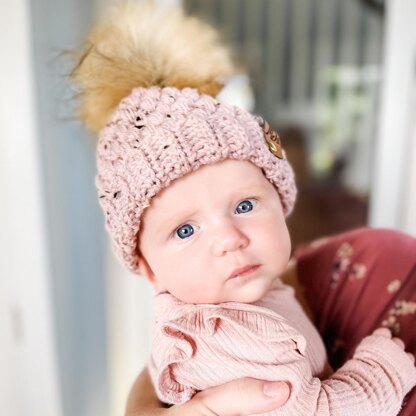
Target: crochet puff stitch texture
[{"x": 158, "y": 135}]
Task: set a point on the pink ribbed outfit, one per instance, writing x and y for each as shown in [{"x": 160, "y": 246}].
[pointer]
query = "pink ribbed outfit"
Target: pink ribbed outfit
[{"x": 199, "y": 346}]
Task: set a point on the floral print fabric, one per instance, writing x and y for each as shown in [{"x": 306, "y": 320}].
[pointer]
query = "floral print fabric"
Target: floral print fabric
[{"x": 356, "y": 282}]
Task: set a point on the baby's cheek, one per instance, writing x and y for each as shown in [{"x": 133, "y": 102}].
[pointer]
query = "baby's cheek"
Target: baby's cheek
[
  {"x": 195, "y": 291},
  {"x": 185, "y": 279},
  {"x": 276, "y": 244}
]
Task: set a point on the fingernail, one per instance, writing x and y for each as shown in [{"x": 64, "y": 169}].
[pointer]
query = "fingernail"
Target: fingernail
[{"x": 276, "y": 388}]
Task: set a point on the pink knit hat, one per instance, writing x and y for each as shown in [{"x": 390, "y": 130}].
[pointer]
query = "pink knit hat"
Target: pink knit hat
[
  {"x": 151, "y": 134},
  {"x": 157, "y": 135}
]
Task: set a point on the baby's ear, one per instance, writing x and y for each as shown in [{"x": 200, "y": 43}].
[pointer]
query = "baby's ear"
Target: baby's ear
[{"x": 145, "y": 270}]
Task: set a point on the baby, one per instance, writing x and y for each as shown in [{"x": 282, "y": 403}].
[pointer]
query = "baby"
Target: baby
[{"x": 195, "y": 194}]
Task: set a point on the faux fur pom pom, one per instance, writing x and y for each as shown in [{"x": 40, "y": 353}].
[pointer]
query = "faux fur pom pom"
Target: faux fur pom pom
[{"x": 140, "y": 45}]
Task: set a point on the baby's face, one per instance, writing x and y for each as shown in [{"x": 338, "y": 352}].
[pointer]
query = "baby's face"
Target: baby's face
[{"x": 216, "y": 235}]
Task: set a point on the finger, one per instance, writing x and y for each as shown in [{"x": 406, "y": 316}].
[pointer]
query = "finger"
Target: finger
[
  {"x": 382, "y": 332},
  {"x": 244, "y": 396},
  {"x": 411, "y": 356},
  {"x": 399, "y": 342}
]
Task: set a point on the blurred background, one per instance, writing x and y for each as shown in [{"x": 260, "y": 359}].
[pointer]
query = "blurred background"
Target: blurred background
[{"x": 336, "y": 78}]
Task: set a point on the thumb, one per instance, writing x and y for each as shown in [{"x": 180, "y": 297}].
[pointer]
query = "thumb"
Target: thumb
[{"x": 244, "y": 396}]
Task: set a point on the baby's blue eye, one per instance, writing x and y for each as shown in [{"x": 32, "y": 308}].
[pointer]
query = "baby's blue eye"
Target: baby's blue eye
[
  {"x": 185, "y": 231},
  {"x": 245, "y": 206}
]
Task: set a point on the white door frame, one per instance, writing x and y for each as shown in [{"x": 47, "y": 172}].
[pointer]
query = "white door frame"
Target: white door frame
[
  {"x": 29, "y": 379},
  {"x": 393, "y": 197}
]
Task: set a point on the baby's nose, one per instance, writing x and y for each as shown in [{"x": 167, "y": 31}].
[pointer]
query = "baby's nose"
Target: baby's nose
[{"x": 229, "y": 238}]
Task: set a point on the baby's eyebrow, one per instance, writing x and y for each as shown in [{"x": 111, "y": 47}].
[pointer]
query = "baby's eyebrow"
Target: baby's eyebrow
[{"x": 175, "y": 220}]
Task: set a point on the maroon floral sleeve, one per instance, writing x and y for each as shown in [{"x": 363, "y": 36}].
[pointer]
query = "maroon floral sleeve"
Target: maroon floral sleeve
[{"x": 358, "y": 281}]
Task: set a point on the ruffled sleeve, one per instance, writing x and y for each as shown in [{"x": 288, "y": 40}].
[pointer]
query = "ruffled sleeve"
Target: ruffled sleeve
[{"x": 199, "y": 346}]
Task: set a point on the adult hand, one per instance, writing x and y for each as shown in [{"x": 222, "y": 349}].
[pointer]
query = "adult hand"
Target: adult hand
[{"x": 244, "y": 396}]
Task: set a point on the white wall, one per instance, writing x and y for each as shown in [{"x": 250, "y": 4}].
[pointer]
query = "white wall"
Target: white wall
[
  {"x": 75, "y": 224},
  {"x": 53, "y": 349}
]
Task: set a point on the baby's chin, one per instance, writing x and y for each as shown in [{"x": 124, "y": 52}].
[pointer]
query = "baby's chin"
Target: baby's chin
[
  {"x": 248, "y": 292},
  {"x": 240, "y": 290}
]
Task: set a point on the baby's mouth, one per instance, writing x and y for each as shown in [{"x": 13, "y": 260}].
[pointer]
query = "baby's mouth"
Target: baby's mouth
[{"x": 244, "y": 271}]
